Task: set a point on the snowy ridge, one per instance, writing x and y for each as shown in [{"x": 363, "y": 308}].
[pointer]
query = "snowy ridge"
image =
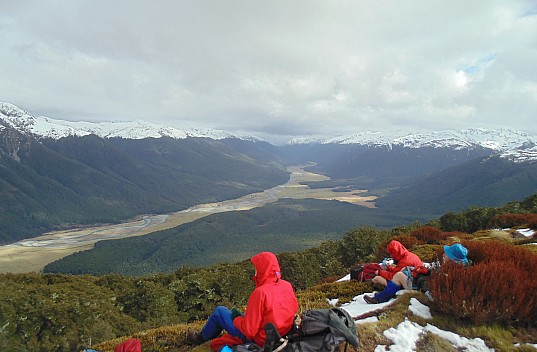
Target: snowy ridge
[
  {"x": 515, "y": 145},
  {"x": 50, "y": 128}
]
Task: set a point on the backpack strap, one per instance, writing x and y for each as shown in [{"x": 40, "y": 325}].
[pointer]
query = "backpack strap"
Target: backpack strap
[
  {"x": 274, "y": 339},
  {"x": 409, "y": 272}
]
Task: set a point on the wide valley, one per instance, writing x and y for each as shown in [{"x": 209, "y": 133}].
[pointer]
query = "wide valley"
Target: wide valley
[{"x": 31, "y": 255}]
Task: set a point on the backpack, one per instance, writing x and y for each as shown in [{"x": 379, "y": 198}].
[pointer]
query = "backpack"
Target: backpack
[
  {"x": 365, "y": 272},
  {"x": 320, "y": 330}
]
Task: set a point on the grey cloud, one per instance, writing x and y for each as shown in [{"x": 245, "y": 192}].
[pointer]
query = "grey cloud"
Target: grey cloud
[{"x": 274, "y": 68}]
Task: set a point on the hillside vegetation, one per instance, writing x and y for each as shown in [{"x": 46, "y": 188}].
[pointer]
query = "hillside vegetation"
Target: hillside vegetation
[
  {"x": 57, "y": 312},
  {"x": 49, "y": 184}
]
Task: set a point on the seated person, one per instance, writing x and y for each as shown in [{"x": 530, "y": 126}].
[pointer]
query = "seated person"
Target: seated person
[
  {"x": 402, "y": 257},
  {"x": 401, "y": 280},
  {"x": 273, "y": 300}
]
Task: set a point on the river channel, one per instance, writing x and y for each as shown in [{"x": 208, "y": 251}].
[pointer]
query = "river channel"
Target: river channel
[{"x": 31, "y": 255}]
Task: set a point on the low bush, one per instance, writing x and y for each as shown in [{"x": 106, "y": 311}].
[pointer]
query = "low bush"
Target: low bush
[
  {"x": 513, "y": 220},
  {"x": 428, "y": 234},
  {"x": 499, "y": 287},
  {"x": 359, "y": 245}
]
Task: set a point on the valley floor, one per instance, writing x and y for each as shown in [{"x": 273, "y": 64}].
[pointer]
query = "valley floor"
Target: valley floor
[{"x": 31, "y": 255}]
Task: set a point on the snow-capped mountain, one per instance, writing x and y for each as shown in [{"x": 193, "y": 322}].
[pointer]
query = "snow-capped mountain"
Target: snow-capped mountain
[
  {"x": 515, "y": 145},
  {"x": 52, "y": 128}
]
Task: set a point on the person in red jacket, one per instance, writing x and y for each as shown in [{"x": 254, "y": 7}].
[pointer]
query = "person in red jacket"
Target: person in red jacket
[
  {"x": 273, "y": 300},
  {"x": 403, "y": 279},
  {"x": 403, "y": 258}
]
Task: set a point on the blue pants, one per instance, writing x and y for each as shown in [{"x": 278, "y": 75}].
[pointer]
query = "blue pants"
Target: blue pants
[{"x": 218, "y": 321}]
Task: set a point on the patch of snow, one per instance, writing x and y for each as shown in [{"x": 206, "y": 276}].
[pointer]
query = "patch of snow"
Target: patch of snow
[
  {"x": 404, "y": 337},
  {"x": 359, "y": 306},
  {"x": 526, "y": 232},
  {"x": 534, "y": 345},
  {"x": 419, "y": 309},
  {"x": 345, "y": 278},
  {"x": 333, "y": 302},
  {"x": 470, "y": 345}
]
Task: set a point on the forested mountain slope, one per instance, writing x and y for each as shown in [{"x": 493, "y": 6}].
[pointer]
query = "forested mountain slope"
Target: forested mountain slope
[
  {"x": 52, "y": 184},
  {"x": 488, "y": 181}
]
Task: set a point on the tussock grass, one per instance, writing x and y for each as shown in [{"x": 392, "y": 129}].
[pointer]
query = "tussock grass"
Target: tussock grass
[
  {"x": 430, "y": 342},
  {"x": 344, "y": 291},
  {"x": 493, "y": 235}
]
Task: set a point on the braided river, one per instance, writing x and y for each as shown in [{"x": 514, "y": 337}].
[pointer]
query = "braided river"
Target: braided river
[{"x": 31, "y": 255}]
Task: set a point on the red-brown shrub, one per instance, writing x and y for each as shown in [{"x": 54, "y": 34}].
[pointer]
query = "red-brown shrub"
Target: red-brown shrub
[
  {"x": 512, "y": 220},
  {"x": 500, "y": 286},
  {"x": 428, "y": 234},
  {"x": 532, "y": 223}
]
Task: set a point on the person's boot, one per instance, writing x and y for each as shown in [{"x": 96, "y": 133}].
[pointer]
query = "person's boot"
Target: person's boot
[
  {"x": 370, "y": 300},
  {"x": 385, "y": 295},
  {"x": 194, "y": 338}
]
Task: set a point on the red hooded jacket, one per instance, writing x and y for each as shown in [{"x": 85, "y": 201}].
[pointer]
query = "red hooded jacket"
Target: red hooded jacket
[
  {"x": 402, "y": 256},
  {"x": 273, "y": 300}
]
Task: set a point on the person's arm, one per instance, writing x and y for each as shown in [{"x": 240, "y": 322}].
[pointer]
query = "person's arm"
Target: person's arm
[
  {"x": 387, "y": 274},
  {"x": 250, "y": 323}
]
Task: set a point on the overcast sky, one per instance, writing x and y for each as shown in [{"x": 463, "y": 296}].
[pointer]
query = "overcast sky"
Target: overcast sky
[{"x": 276, "y": 69}]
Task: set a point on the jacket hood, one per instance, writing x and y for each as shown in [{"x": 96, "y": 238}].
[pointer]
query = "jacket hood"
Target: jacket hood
[
  {"x": 267, "y": 267},
  {"x": 396, "y": 250}
]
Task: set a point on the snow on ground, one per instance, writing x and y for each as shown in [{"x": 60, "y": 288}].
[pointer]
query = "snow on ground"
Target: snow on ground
[
  {"x": 358, "y": 307},
  {"x": 405, "y": 335},
  {"x": 526, "y": 232}
]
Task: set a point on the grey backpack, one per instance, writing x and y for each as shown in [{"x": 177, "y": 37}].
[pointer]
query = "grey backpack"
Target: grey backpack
[{"x": 320, "y": 330}]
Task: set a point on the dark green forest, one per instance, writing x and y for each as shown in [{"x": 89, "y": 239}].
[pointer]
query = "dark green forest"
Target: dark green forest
[{"x": 283, "y": 226}]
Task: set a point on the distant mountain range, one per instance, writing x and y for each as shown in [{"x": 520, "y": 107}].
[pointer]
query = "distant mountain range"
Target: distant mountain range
[
  {"x": 514, "y": 145},
  {"x": 45, "y": 127},
  {"x": 56, "y": 174},
  {"x": 49, "y": 183},
  {"x": 431, "y": 172}
]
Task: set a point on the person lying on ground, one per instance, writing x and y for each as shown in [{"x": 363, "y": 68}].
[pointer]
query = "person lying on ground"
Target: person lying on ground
[
  {"x": 402, "y": 257},
  {"x": 273, "y": 300},
  {"x": 405, "y": 280}
]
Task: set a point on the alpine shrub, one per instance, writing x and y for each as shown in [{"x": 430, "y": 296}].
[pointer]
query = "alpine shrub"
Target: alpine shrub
[
  {"x": 532, "y": 223},
  {"x": 359, "y": 245},
  {"x": 428, "y": 234},
  {"x": 499, "y": 287},
  {"x": 512, "y": 220}
]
